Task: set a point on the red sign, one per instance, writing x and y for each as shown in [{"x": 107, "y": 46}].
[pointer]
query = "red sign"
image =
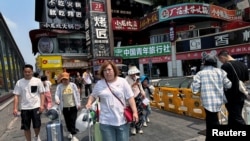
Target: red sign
[
  {"x": 125, "y": 24},
  {"x": 101, "y": 61},
  {"x": 97, "y": 7},
  {"x": 240, "y": 49},
  {"x": 223, "y": 13}
]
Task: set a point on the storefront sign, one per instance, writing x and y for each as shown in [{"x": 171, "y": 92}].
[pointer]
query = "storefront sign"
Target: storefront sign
[
  {"x": 100, "y": 34},
  {"x": 229, "y": 38},
  {"x": 198, "y": 10},
  {"x": 149, "y": 20},
  {"x": 125, "y": 24},
  {"x": 183, "y": 10},
  {"x": 235, "y": 50},
  {"x": 62, "y": 14},
  {"x": 96, "y": 29},
  {"x": 143, "y": 50},
  {"x": 223, "y": 13},
  {"x": 50, "y": 62}
]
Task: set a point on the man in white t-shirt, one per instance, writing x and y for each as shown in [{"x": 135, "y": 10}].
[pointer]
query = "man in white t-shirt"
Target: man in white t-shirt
[
  {"x": 29, "y": 92},
  {"x": 87, "y": 80}
]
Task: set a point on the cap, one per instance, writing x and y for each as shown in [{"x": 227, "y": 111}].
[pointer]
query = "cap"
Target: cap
[
  {"x": 133, "y": 70},
  {"x": 142, "y": 78},
  {"x": 64, "y": 75}
]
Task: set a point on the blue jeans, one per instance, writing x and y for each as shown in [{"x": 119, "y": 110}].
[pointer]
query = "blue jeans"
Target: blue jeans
[
  {"x": 147, "y": 110},
  {"x": 115, "y": 133}
]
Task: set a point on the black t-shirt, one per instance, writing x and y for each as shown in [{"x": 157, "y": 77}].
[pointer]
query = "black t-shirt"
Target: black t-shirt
[{"x": 233, "y": 94}]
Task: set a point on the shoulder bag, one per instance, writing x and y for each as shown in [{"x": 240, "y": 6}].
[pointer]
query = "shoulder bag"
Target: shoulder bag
[
  {"x": 128, "y": 113},
  {"x": 242, "y": 86}
]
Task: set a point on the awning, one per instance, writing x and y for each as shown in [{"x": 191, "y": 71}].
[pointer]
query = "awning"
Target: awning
[{"x": 68, "y": 65}]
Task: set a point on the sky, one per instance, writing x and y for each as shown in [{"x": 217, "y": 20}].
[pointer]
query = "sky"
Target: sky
[{"x": 20, "y": 18}]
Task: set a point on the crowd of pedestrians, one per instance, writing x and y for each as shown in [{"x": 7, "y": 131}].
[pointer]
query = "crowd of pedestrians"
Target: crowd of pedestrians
[{"x": 217, "y": 87}]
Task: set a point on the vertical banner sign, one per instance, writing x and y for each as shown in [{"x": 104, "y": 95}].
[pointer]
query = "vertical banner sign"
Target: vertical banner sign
[
  {"x": 172, "y": 31},
  {"x": 88, "y": 30},
  {"x": 98, "y": 40}
]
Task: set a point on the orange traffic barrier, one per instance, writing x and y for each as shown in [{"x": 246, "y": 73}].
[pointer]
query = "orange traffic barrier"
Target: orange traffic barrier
[
  {"x": 195, "y": 108},
  {"x": 156, "y": 97},
  {"x": 171, "y": 100}
]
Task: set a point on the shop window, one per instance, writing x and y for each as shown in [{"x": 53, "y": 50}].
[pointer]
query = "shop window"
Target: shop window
[{"x": 159, "y": 38}]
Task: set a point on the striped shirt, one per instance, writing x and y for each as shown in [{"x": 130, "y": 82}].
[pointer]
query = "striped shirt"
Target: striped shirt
[{"x": 211, "y": 82}]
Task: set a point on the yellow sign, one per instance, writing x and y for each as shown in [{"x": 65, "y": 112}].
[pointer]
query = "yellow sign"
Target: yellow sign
[{"x": 47, "y": 62}]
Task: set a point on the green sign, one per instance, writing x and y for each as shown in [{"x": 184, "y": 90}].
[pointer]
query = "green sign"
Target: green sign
[{"x": 139, "y": 51}]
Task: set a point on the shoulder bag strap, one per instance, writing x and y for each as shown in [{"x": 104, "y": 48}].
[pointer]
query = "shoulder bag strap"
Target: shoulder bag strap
[
  {"x": 234, "y": 70},
  {"x": 113, "y": 93}
]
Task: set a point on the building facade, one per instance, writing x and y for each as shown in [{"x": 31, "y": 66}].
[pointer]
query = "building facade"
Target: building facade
[{"x": 11, "y": 61}]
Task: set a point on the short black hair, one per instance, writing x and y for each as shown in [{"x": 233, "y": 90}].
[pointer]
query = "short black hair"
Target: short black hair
[
  {"x": 36, "y": 74},
  {"x": 28, "y": 66},
  {"x": 44, "y": 78}
]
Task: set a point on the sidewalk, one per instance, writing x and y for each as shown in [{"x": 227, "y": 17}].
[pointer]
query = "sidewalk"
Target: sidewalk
[{"x": 163, "y": 126}]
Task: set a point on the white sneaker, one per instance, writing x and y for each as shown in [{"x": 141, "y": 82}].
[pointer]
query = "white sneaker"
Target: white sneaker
[
  {"x": 148, "y": 120},
  {"x": 70, "y": 136},
  {"x": 145, "y": 124},
  {"x": 74, "y": 139},
  {"x": 37, "y": 138},
  {"x": 133, "y": 131},
  {"x": 140, "y": 131}
]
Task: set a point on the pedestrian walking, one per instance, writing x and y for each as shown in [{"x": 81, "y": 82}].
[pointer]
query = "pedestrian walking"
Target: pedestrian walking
[
  {"x": 55, "y": 78},
  {"x": 47, "y": 94},
  {"x": 149, "y": 90},
  {"x": 235, "y": 70},
  {"x": 210, "y": 82},
  {"x": 79, "y": 83},
  {"x": 68, "y": 97},
  {"x": 87, "y": 80},
  {"x": 139, "y": 95},
  {"x": 113, "y": 125},
  {"x": 29, "y": 93}
]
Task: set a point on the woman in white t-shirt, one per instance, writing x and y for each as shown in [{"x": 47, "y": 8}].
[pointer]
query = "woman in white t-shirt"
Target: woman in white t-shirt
[
  {"x": 48, "y": 98},
  {"x": 113, "y": 125}
]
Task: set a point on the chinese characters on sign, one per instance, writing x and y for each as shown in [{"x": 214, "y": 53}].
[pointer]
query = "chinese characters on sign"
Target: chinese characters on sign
[
  {"x": 246, "y": 35},
  {"x": 222, "y": 40},
  {"x": 149, "y": 20},
  {"x": 125, "y": 24},
  {"x": 143, "y": 50},
  {"x": 63, "y": 14},
  {"x": 223, "y": 13},
  {"x": 96, "y": 29},
  {"x": 100, "y": 34},
  {"x": 62, "y": 26},
  {"x": 183, "y": 10}
]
